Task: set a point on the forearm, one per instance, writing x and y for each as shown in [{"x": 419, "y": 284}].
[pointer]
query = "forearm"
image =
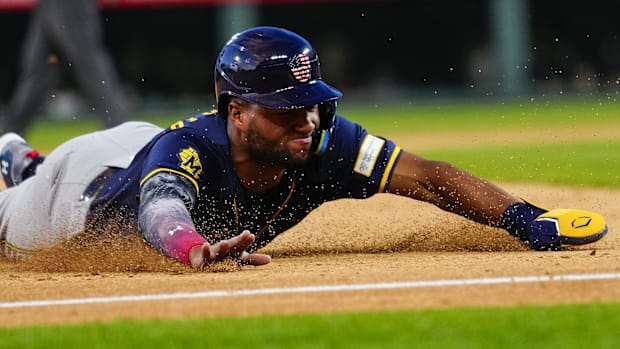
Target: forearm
[
  {"x": 456, "y": 191},
  {"x": 169, "y": 229},
  {"x": 164, "y": 219}
]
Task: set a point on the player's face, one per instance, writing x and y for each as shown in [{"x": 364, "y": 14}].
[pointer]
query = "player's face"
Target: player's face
[{"x": 281, "y": 136}]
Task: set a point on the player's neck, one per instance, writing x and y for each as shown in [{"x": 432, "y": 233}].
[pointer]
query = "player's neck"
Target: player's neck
[
  {"x": 258, "y": 179},
  {"x": 258, "y": 176}
]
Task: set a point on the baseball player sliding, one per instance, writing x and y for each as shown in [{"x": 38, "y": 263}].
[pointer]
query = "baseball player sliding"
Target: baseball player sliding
[{"x": 224, "y": 184}]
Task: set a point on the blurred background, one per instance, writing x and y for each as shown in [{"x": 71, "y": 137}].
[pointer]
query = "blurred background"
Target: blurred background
[{"x": 374, "y": 51}]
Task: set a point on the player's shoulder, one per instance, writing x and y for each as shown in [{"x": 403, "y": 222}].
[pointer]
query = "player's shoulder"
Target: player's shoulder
[
  {"x": 340, "y": 140},
  {"x": 341, "y": 121},
  {"x": 209, "y": 126},
  {"x": 344, "y": 127},
  {"x": 349, "y": 138},
  {"x": 197, "y": 121}
]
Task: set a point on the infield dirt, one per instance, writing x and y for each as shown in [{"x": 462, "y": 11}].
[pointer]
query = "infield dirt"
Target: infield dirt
[{"x": 382, "y": 239}]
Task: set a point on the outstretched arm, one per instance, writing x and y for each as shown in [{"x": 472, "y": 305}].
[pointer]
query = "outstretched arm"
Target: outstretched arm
[
  {"x": 457, "y": 191},
  {"x": 450, "y": 189},
  {"x": 165, "y": 221}
]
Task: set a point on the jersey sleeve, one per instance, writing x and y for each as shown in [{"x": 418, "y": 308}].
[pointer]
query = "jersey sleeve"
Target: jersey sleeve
[
  {"x": 169, "y": 184},
  {"x": 179, "y": 151},
  {"x": 164, "y": 218},
  {"x": 364, "y": 161}
]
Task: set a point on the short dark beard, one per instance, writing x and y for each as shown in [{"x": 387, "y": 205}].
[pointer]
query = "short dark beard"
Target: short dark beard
[{"x": 271, "y": 153}]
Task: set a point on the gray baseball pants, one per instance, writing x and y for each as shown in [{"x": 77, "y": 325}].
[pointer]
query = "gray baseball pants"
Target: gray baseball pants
[{"x": 48, "y": 208}]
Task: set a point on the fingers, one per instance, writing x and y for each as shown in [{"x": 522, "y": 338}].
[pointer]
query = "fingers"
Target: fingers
[
  {"x": 199, "y": 256},
  {"x": 255, "y": 258},
  {"x": 234, "y": 247},
  {"x": 240, "y": 243},
  {"x": 218, "y": 251}
]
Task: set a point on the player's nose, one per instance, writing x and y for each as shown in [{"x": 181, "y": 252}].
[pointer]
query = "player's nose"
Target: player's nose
[{"x": 307, "y": 120}]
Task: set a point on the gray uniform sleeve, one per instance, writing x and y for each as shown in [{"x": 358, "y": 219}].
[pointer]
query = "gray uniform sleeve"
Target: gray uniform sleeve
[{"x": 164, "y": 218}]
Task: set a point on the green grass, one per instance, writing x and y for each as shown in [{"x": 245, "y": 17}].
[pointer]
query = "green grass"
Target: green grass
[
  {"x": 578, "y": 163},
  {"x": 585, "y": 163},
  {"x": 562, "y": 326},
  {"x": 392, "y": 118},
  {"x": 386, "y": 119},
  {"x": 46, "y": 135}
]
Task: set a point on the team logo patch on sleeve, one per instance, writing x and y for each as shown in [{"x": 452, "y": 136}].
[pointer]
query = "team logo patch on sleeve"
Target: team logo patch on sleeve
[
  {"x": 190, "y": 161},
  {"x": 368, "y": 154}
]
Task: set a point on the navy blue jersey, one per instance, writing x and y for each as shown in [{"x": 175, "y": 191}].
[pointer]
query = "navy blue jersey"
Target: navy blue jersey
[{"x": 349, "y": 163}]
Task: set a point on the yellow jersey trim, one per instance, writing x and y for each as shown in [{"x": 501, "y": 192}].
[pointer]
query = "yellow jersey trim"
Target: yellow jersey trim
[
  {"x": 388, "y": 169},
  {"x": 322, "y": 145},
  {"x": 152, "y": 173}
]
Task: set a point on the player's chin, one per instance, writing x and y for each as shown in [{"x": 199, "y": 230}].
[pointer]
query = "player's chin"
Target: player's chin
[
  {"x": 299, "y": 150},
  {"x": 300, "y": 157},
  {"x": 297, "y": 158}
]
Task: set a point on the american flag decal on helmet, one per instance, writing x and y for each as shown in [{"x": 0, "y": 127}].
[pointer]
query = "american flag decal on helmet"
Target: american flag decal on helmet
[{"x": 300, "y": 66}]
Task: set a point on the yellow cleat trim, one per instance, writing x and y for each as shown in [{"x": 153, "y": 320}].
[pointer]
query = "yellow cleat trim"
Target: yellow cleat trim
[
  {"x": 527, "y": 201},
  {"x": 576, "y": 224}
]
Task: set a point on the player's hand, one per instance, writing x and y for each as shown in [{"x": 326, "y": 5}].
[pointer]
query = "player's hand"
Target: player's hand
[{"x": 203, "y": 255}]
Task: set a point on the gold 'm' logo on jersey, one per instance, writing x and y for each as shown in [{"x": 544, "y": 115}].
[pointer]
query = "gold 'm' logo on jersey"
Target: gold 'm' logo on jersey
[{"x": 190, "y": 161}]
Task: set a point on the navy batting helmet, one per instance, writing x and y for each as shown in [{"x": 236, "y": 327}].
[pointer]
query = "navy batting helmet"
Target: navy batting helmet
[{"x": 274, "y": 68}]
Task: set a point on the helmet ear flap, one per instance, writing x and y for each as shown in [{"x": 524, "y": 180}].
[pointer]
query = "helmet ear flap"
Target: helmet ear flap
[
  {"x": 222, "y": 105},
  {"x": 327, "y": 112}
]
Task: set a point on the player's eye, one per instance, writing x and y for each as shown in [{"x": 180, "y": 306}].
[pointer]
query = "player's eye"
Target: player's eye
[{"x": 312, "y": 108}]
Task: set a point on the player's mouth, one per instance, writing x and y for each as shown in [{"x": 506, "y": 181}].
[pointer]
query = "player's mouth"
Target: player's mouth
[
  {"x": 301, "y": 140},
  {"x": 300, "y": 143}
]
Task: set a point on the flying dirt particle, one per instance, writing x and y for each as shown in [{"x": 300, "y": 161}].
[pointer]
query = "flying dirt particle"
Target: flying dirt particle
[{"x": 95, "y": 254}]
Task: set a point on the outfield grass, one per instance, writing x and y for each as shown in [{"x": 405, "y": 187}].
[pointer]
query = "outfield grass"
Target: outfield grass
[
  {"x": 401, "y": 118},
  {"x": 46, "y": 135},
  {"x": 389, "y": 119},
  {"x": 593, "y": 163},
  {"x": 560, "y": 326}
]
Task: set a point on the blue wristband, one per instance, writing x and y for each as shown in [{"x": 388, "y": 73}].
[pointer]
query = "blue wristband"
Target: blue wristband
[{"x": 517, "y": 217}]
